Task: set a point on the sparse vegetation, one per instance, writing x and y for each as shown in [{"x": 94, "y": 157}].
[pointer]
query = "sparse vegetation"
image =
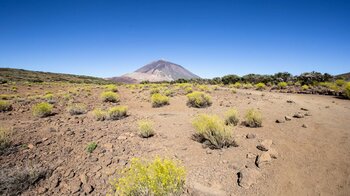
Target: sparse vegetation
[
  {"x": 198, "y": 99},
  {"x": 145, "y": 128},
  {"x": 253, "y": 118},
  {"x": 91, "y": 147},
  {"x": 42, "y": 109},
  {"x": 188, "y": 90},
  {"x": 110, "y": 96},
  {"x": 99, "y": 114},
  {"x": 111, "y": 87},
  {"x": 159, "y": 100},
  {"x": 347, "y": 90},
  {"x": 77, "y": 109},
  {"x": 260, "y": 86},
  {"x": 49, "y": 97},
  {"x": 5, "y": 106},
  {"x": 154, "y": 91},
  {"x": 158, "y": 177},
  {"x": 282, "y": 85},
  {"x": 4, "y": 139},
  {"x": 210, "y": 128},
  {"x": 117, "y": 112},
  {"x": 231, "y": 117},
  {"x": 305, "y": 87}
]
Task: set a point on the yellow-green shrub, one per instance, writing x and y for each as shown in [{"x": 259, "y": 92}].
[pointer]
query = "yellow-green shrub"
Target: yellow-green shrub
[
  {"x": 145, "y": 128},
  {"x": 4, "y": 138},
  {"x": 6, "y": 97},
  {"x": 154, "y": 91},
  {"x": 168, "y": 93},
  {"x": 42, "y": 109},
  {"x": 77, "y": 109},
  {"x": 117, "y": 112},
  {"x": 159, "y": 100},
  {"x": 49, "y": 97},
  {"x": 305, "y": 87},
  {"x": 210, "y": 128},
  {"x": 188, "y": 90},
  {"x": 203, "y": 88},
  {"x": 347, "y": 90},
  {"x": 247, "y": 86},
  {"x": 111, "y": 87},
  {"x": 231, "y": 117},
  {"x": 110, "y": 96},
  {"x": 340, "y": 82},
  {"x": 282, "y": 85},
  {"x": 260, "y": 86},
  {"x": 99, "y": 114},
  {"x": 198, "y": 99},
  {"x": 237, "y": 85},
  {"x": 157, "y": 178},
  {"x": 5, "y": 106},
  {"x": 253, "y": 118}
]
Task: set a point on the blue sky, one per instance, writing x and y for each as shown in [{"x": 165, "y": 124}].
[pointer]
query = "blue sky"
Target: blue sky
[{"x": 210, "y": 38}]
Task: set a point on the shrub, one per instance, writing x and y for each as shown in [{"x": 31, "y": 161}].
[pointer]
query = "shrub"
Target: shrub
[
  {"x": 253, "y": 118},
  {"x": 188, "y": 90},
  {"x": 5, "y": 106},
  {"x": 247, "y": 86},
  {"x": 99, "y": 114},
  {"x": 231, "y": 117},
  {"x": 198, "y": 99},
  {"x": 4, "y": 138},
  {"x": 347, "y": 90},
  {"x": 154, "y": 91},
  {"x": 212, "y": 129},
  {"x": 117, "y": 112},
  {"x": 110, "y": 96},
  {"x": 282, "y": 85},
  {"x": 158, "y": 177},
  {"x": 203, "y": 88},
  {"x": 91, "y": 147},
  {"x": 340, "y": 82},
  {"x": 146, "y": 128},
  {"x": 6, "y": 97},
  {"x": 237, "y": 85},
  {"x": 233, "y": 91},
  {"x": 111, "y": 87},
  {"x": 42, "y": 109},
  {"x": 260, "y": 86},
  {"x": 159, "y": 100},
  {"x": 49, "y": 97},
  {"x": 77, "y": 109},
  {"x": 305, "y": 87},
  {"x": 169, "y": 93}
]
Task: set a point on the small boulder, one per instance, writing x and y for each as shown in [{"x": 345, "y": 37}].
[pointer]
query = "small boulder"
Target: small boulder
[
  {"x": 263, "y": 159},
  {"x": 280, "y": 121},
  {"x": 247, "y": 177},
  {"x": 288, "y": 118},
  {"x": 304, "y": 109},
  {"x": 273, "y": 153},
  {"x": 122, "y": 137},
  {"x": 298, "y": 115},
  {"x": 251, "y": 155},
  {"x": 265, "y": 145},
  {"x": 304, "y": 126},
  {"x": 250, "y": 136}
]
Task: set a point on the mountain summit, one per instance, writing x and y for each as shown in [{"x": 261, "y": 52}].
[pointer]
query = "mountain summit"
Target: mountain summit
[{"x": 156, "y": 71}]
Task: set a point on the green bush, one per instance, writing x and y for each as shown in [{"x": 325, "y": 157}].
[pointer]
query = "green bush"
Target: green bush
[
  {"x": 237, "y": 85},
  {"x": 110, "y": 96},
  {"x": 117, "y": 112},
  {"x": 210, "y": 128},
  {"x": 260, "y": 86},
  {"x": 6, "y": 97},
  {"x": 157, "y": 178},
  {"x": 169, "y": 93},
  {"x": 188, "y": 90},
  {"x": 282, "y": 85},
  {"x": 99, "y": 114},
  {"x": 253, "y": 118},
  {"x": 347, "y": 90},
  {"x": 154, "y": 91},
  {"x": 4, "y": 138},
  {"x": 111, "y": 87},
  {"x": 5, "y": 106},
  {"x": 159, "y": 100},
  {"x": 145, "y": 128},
  {"x": 305, "y": 87},
  {"x": 42, "y": 109},
  {"x": 77, "y": 109},
  {"x": 247, "y": 86},
  {"x": 49, "y": 97},
  {"x": 91, "y": 147},
  {"x": 203, "y": 88},
  {"x": 231, "y": 117},
  {"x": 198, "y": 99},
  {"x": 340, "y": 82}
]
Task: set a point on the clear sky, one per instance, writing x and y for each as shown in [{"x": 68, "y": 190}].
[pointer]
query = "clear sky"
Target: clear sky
[{"x": 210, "y": 38}]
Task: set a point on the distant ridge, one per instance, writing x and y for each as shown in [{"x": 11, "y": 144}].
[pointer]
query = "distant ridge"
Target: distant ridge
[
  {"x": 346, "y": 76},
  {"x": 156, "y": 71}
]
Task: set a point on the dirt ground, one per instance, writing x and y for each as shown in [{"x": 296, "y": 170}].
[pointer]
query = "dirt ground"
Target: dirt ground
[{"x": 311, "y": 161}]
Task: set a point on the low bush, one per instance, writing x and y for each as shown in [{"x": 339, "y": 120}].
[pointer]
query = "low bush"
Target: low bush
[
  {"x": 237, "y": 85},
  {"x": 117, "y": 112},
  {"x": 211, "y": 129},
  {"x": 42, "y": 109},
  {"x": 282, "y": 85},
  {"x": 231, "y": 117},
  {"x": 50, "y": 98},
  {"x": 5, "y": 106},
  {"x": 305, "y": 87},
  {"x": 347, "y": 90},
  {"x": 110, "y": 96},
  {"x": 158, "y": 177},
  {"x": 77, "y": 109},
  {"x": 203, "y": 88},
  {"x": 233, "y": 91},
  {"x": 169, "y": 93},
  {"x": 247, "y": 86},
  {"x": 111, "y": 87},
  {"x": 4, "y": 139},
  {"x": 159, "y": 100},
  {"x": 6, "y": 97},
  {"x": 260, "y": 86},
  {"x": 99, "y": 114},
  {"x": 91, "y": 147},
  {"x": 188, "y": 90},
  {"x": 198, "y": 99},
  {"x": 145, "y": 128},
  {"x": 340, "y": 82},
  {"x": 154, "y": 91},
  {"x": 253, "y": 118}
]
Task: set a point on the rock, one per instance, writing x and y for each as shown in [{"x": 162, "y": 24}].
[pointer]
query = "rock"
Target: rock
[
  {"x": 290, "y": 101},
  {"x": 197, "y": 189},
  {"x": 273, "y": 153},
  {"x": 307, "y": 114},
  {"x": 30, "y": 146},
  {"x": 83, "y": 178},
  {"x": 263, "y": 159},
  {"x": 87, "y": 188},
  {"x": 304, "y": 109},
  {"x": 247, "y": 177},
  {"x": 298, "y": 115},
  {"x": 280, "y": 121},
  {"x": 265, "y": 145},
  {"x": 74, "y": 186},
  {"x": 250, "y": 136},
  {"x": 42, "y": 190},
  {"x": 209, "y": 151},
  {"x": 288, "y": 118},
  {"x": 304, "y": 126},
  {"x": 251, "y": 155},
  {"x": 122, "y": 137}
]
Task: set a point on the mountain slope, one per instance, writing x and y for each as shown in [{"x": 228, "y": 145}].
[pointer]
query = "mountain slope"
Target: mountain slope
[
  {"x": 157, "y": 71},
  {"x": 346, "y": 76}
]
